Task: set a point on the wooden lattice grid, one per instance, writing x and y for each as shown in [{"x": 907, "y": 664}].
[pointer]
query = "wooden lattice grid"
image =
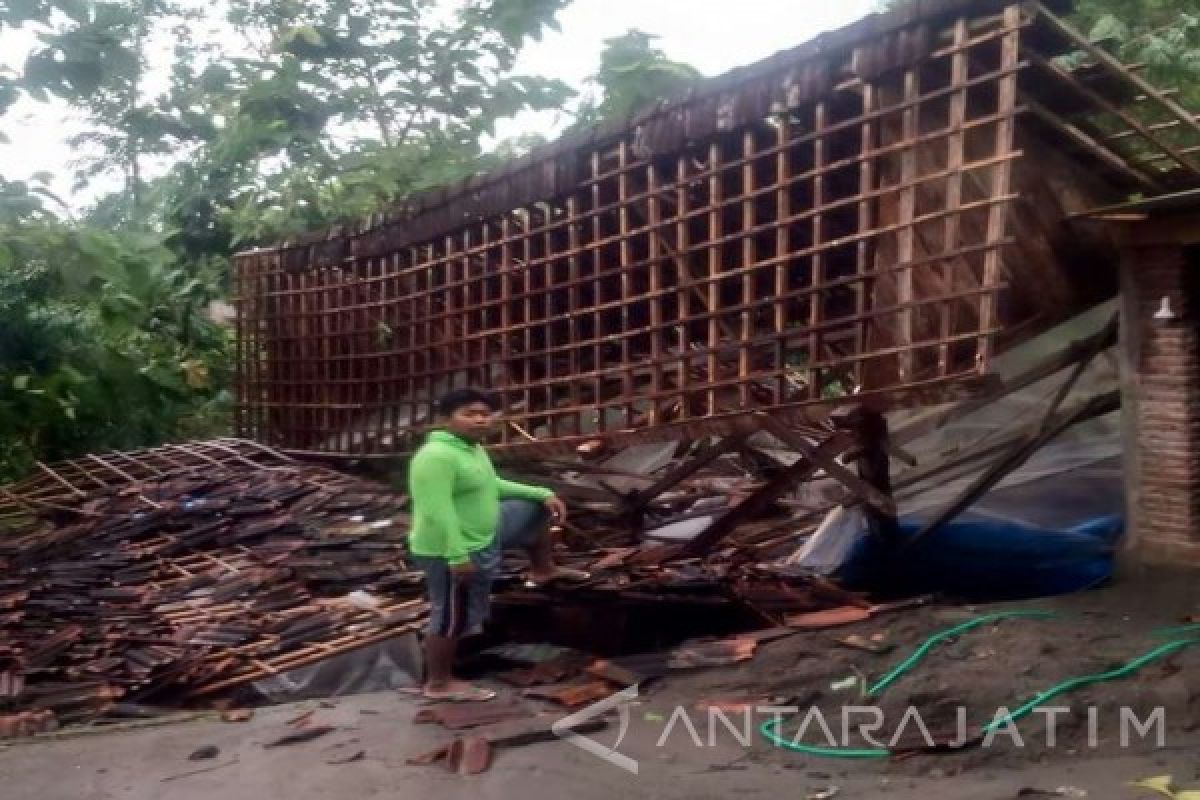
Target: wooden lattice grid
[{"x": 851, "y": 245}]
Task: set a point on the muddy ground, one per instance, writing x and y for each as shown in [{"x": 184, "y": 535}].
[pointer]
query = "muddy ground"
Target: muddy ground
[
  {"x": 991, "y": 666},
  {"x": 1000, "y": 665}
]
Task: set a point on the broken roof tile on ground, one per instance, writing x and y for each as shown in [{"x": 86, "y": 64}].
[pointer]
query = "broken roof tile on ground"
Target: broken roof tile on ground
[
  {"x": 205, "y": 568},
  {"x": 178, "y": 574}
]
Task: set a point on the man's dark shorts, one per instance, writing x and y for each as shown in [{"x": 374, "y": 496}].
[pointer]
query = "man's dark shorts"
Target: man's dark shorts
[{"x": 459, "y": 606}]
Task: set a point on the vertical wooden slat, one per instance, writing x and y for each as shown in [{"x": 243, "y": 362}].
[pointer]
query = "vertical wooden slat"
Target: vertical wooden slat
[
  {"x": 428, "y": 382},
  {"x": 597, "y": 289},
  {"x": 365, "y": 376},
  {"x": 684, "y": 279},
  {"x": 355, "y": 364},
  {"x": 506, "y": 316},
  {"x": 464, "y": 329},
  {"x": 865, "y": 250},
  {"x": 343, "y": 346},
  {"x": 266, "y": 360},
  {"x": 449, "y": 314},
  {"x": 749, "y": 257},
  {"x": 816, "y": 308},
  {"x": 527, "y": 283},
  {"x": 906, "y": 235},
  {"x": 257, "y": 290},
  {"x": 487, "y": 301},
  {"x": 1001, "y": 180},
  {"x": 240, "y": 266},
  {"x": 626, "y": 278},
  {"x": 955, "y": 156},
  {"x": 783, "y": 246},
  {"x": 655, "y": 255},
  {"x": 397, "y": 391},
  {"x": 328, "y": 377},
  {"x": 575, "y": 304},
  {"x": 552, "y": 316},
  {"x": 306, "y": 417},
  {"x": 415, "y": 361},
  {"x": 715, "y": 232}
]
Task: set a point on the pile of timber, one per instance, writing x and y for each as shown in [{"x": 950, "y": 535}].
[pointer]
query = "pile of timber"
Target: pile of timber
[{"x": 190, "y": 585}]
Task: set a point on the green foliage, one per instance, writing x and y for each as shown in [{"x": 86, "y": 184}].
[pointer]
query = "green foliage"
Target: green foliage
[
  {"x": 298, "y": 115},
  {"x": 103, "y": 339},
  {"x": 633, "y": 74},
  {"x": 1164, "y": 35},
  {"x": 346, "y": 106}
]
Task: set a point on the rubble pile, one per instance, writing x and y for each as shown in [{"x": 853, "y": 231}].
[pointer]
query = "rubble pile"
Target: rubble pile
[
  {"x": 179, "y": 587},
  {"x": 144, "y": 581}
]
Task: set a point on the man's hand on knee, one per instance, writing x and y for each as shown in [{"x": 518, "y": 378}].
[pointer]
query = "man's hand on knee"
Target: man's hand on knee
[{"x": 557, "y": 508}]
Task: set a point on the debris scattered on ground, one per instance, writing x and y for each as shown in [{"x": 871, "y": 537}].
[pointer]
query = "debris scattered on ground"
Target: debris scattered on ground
[
  {"x": 504, "y": 735},
  {"x": 827, "y": 793},
  {"x": 302, "y": 720},
  {"x": 872, "y": 645},
  {"x": 204, "y": 753},
  {"x": 460, "y": 716},
  {"x": 201, "y": 771},
  {"x": 1165, "y": 785},
  {"x": 845, "y": 684},
  {"x": 301, "y": 736},
  {"x": 358, "y": 756},
  {"x": 202, "y": 568}
]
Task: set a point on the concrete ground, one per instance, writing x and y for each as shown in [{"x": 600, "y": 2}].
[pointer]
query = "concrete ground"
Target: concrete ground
[{"x": 152, "y": 764}]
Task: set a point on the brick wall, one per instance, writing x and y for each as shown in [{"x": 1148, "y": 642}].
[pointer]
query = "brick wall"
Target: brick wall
[{"x": 1167, "y": 384}]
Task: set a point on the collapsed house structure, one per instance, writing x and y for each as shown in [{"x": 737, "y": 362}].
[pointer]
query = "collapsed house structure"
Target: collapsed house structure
[
  {"x": 882, "y": 219},
  {"x": 870, "y": 215}
]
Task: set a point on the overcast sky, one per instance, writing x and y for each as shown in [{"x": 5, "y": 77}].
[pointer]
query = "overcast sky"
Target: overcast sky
[{"x": 712, "y": 35}]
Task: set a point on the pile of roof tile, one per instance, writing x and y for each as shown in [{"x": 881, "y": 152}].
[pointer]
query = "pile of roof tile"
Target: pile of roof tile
[
  {"x": 141, "y": 581},
  {"x": 192, "y": 583}
]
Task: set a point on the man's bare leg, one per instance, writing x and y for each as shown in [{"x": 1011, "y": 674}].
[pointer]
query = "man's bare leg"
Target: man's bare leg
[
  {"x": 541, "y": 558},
  {"x": 440, "y": 683},
  {"x": 439, "y": 661}
]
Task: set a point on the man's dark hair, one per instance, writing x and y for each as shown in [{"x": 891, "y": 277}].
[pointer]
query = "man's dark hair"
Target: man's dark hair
[{"x": 457, "y": 398}]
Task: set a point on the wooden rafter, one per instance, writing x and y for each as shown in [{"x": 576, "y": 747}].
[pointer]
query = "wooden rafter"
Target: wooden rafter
[{"x": 854, "y": 235}]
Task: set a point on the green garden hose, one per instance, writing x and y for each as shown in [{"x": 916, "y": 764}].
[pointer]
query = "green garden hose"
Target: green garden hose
[
  {"x": 1087, "y": 680},
  {"x": 938, "y": 638},
  {"x": 769, "y": 729}
]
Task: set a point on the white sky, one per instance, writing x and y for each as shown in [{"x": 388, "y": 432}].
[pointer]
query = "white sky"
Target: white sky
[{"x": 712, "y": 35}]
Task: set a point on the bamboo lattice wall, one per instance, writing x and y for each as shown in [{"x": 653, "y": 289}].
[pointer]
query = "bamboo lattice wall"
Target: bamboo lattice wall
[{"x": 836, "y": 221}]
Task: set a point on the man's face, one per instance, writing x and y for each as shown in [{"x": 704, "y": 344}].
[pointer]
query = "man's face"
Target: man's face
[{"x": 472, "y": 421}]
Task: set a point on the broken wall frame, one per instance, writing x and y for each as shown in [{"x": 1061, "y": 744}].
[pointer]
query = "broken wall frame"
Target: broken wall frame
[{"x": 841, "y": 232}]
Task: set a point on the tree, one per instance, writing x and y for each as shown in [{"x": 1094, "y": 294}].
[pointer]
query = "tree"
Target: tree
[
  {"x": 347, "y": 105},
  {"x": 103, "y": 342},
  {"x": 96, "y": 58},
  {"x": 633, "y": 74},
  {"x": 1163, "y": 35},
  {"x": 305, "y": 114}
]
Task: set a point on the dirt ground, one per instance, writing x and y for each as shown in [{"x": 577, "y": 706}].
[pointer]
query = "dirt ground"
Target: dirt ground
[
  {"x": 995, "y": 665},
  {"x": 1000, "y": 665}
]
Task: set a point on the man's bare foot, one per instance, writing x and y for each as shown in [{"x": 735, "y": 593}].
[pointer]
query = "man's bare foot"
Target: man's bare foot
[{"x": 456, "y": 691}]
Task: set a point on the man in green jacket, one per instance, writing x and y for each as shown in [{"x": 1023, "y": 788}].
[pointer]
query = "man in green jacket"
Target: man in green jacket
[{"x": 464, "y": 515}]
